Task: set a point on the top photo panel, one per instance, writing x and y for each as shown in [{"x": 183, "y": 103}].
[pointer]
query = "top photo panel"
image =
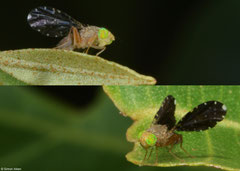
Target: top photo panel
[{"x": 166, "y": 42}]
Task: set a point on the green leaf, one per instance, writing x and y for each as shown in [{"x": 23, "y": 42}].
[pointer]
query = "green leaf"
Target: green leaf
[
  {"x": 6, "y": 79},
  {"x": 62, "y": 67},
  {"x": 218, "y": 147}
]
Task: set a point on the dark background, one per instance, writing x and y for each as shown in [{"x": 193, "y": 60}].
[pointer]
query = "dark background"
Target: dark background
[{"x": 177, "y": 42}]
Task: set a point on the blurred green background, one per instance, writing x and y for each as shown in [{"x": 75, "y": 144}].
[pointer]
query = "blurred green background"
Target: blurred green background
[
  {"x": 39, "y": 131},
  {"x": 177, "y": 42}
]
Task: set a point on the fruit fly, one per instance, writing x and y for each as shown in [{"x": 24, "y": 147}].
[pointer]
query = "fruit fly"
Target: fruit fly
[
  {"x": 162, "y": 131},
  {"x": 54, "y": 23}
]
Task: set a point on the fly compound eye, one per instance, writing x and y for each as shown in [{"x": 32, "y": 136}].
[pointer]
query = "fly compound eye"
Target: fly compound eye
[
  {"x": 103, "y": 33},
  {"x": 147, "y": 139},
  {"x": 151, "y": 139}
]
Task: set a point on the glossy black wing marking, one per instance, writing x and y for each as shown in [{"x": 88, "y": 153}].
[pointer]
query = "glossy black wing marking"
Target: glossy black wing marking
[
  {"x": 51, "y": 22},
  {"x": 165, "y": 115},
  {"x": 202, "y": 117}
]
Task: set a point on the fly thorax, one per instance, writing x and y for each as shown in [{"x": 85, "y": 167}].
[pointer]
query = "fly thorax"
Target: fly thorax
[
  {"x": 105, "y": 37},
  {"x": 147, "y": 139},
  {"x": 159, "y": 130},
  {"x": 162, "y": 133},
  {"x": 87, "y": 35}
]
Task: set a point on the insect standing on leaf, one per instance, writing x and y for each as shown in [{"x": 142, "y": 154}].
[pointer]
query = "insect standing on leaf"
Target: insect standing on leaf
[
  {"x": 54, "y": 23},
  {"x": 161, "y": 132}
]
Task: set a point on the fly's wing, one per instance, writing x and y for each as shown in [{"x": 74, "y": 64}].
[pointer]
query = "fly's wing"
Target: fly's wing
[
  {"x": 165, "y": 115},
  {"x": 202, "y": 117},
  {"x": 51, "y": 22}
]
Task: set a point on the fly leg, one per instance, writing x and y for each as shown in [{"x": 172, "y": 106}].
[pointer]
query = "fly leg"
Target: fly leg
[
  {"x": 76, "y": 38},
  {"x": 86, "y": 51},
  {"x": 156, "y": 160},
  {"x": 181, "y": 141},
  {"x": 150, "y": 153},
  {"x": 97, "y": 47},
  {"x": 71, "y": 41},
  {"x": 100, "y": 51},
  {"x": 144, "y": 156},
  {"x": 66, "y": 42},
  {"x": 174, "y": 155},
  {"x": 91, "y": 42}
]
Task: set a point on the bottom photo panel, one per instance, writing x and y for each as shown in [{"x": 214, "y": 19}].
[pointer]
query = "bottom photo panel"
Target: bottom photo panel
[{"x": 120, "y": 128}]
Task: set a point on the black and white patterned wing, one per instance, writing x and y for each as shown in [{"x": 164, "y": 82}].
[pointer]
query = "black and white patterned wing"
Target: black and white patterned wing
[
  {"x": 202, "y": 117},
  {"x": 165, "y": 115},
  {"x": 51, "y": 22}
]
